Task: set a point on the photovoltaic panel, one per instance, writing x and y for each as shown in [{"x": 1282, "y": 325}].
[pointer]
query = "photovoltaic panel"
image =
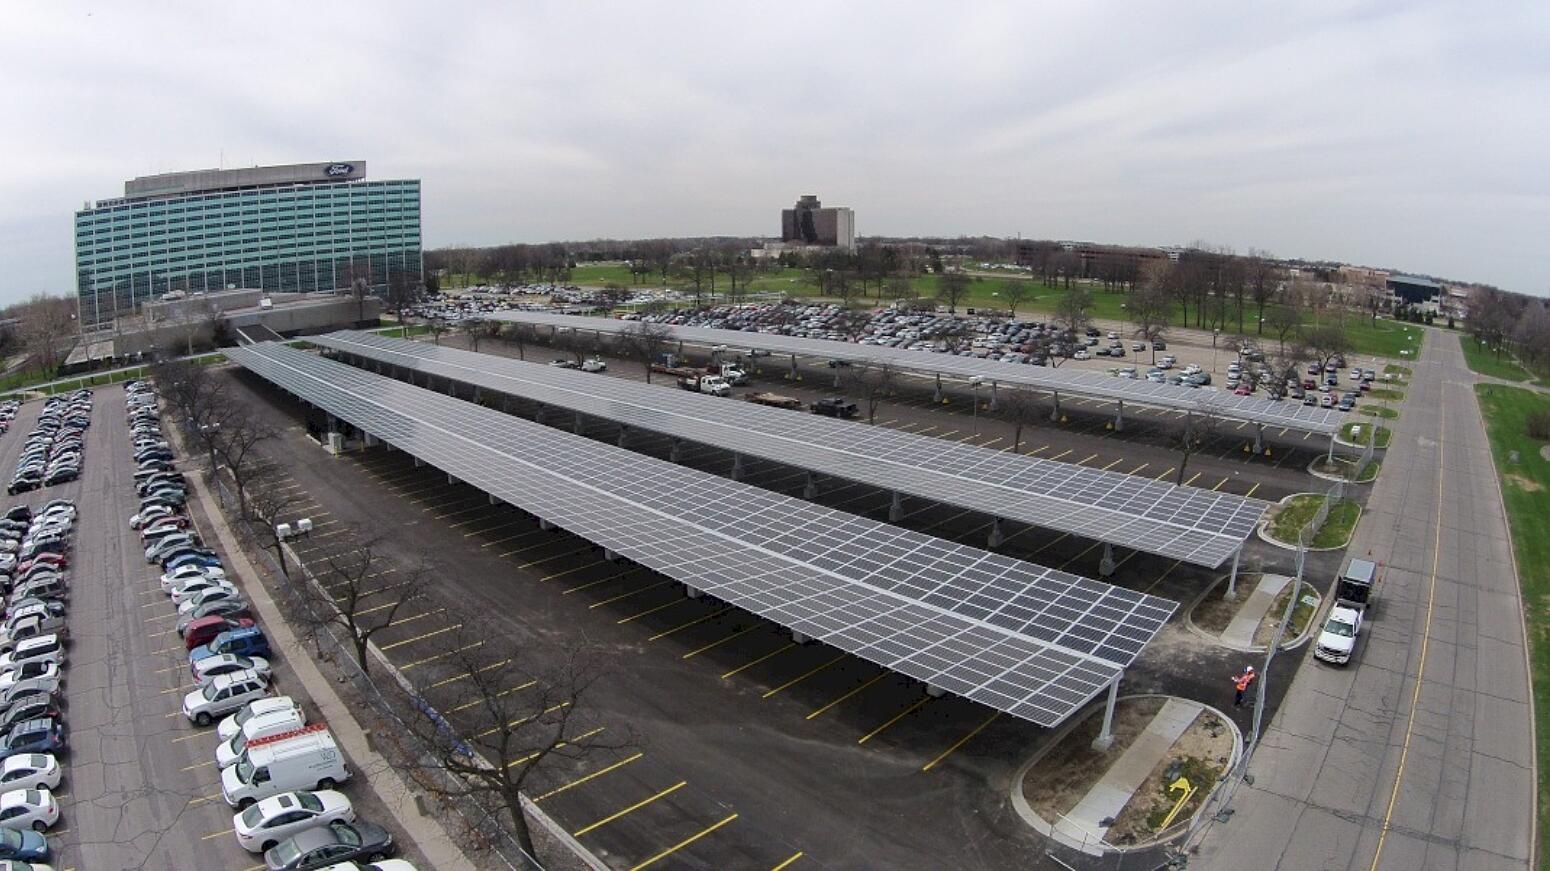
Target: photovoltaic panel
[
  {"x": 1077, "y": 382},
  {"x": 1198, "y": 526},
  {"x": 1025, "y": 639}
]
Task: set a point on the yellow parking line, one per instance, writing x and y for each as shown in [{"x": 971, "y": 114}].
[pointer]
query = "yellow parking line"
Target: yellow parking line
[
  {"x": 520, "y": 721},
  {"x": 500, "y": 695},
  {"x": 795, "y": 856},
  {"x": 434, "y": 632},
  {"x": 961, "y": 741},
  {"x": 198, "y": 765},
  {"x": 700, "y": 650},
  {"x": 1165, "y": 474},
  {"x": 601, "y": 581},
  {"x": 599, "y": 773},
  {"x": 682, "y": 844},
  {"x": 512, "y": 538},
  {"x": 197, "y": 734},
  {"x": 475, "y": 507},
  {"x": 796, "y": 680},
  {"x": 203, "y": 798},
  {"x": 1241, "y": 425},
  {"x": 568, "y": 571},
  {"x": 1137, "y": 469},
  {"x": 1062, "y": 453},
  {"x": 748, "y": 665},
  {"x": 894, "y": 719},
  {"x": 418, "y": 662},
  {"x": 375, "y": 608},
  {"x": 415, "y": 617},
  {"x": 696, "y": 621},
  {"x": 1283, "y": 431},
  {"x": 1038, "y": 449},
  {"x": 1052, "y": 542},
  {"x": 926, "y": 430},
  {"x": 991, "y": 442},
  {"x": 847, "y": 695},
  {"x": 662, "y": 607},
  {"x": 465, "y": 675},
  {"x": 1218, "y": 485},
  {"x": 634, "y": 807},
  {"x": 526, "y": 549},
  {"x": 537, "y": 753},
  {"x": 1191, "y": 479},
  {"x": 548, "y": 559},
  {"x": 1166, "y": 572},
  {"x": 613, "y": 599},
  {"x": 1113, "y": 464},
  {"x": 1252, "y": 489},
  {"x": 1084, "y": 461},
  {"x": 217, "y": 834},
  {"x": 1090, "y": 548},
  {"x": 520, "y": 521}
]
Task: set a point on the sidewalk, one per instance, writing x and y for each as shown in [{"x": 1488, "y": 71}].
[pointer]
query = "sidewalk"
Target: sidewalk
[
  {"x": 1240, "y": 631},
  {"x": 1085, "y": 823},
  {"x": 432, "y": 840}
]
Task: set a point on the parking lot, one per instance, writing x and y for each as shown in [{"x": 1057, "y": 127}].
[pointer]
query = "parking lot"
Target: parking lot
[
  {"x": 140, "y": 787},
  {"x": 734, "y": 718}
]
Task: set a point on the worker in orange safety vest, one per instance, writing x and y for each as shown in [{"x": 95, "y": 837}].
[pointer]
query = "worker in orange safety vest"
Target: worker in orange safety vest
[{"x": 1241, "y": 684}]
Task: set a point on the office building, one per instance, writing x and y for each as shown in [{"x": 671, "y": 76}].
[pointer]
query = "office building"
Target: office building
[
  {"x": 809, "y": 223},
  {"x": 300, "y": 227}
]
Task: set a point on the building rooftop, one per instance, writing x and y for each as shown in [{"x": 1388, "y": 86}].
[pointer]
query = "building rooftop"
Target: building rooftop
[{"x": 175, "y": 183}]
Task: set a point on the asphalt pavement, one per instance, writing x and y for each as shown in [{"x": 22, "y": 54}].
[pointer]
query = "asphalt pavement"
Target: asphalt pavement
[{"x": 1419, "y": 755}]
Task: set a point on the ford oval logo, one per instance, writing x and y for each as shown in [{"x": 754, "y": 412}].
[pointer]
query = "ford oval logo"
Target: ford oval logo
[{"x": 335, "y": 170}]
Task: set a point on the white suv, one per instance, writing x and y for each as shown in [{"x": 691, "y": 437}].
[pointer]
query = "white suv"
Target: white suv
[{"x": 224, "y": 694}]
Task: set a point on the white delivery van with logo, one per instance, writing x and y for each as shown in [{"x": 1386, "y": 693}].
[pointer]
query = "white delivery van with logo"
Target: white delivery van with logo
[{"x": 305, "y": 758}]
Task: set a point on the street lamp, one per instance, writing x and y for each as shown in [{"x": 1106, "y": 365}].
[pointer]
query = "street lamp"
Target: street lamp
[
  {"x": 1214, "y": 334},
  {"x": 976, "y": 382}
]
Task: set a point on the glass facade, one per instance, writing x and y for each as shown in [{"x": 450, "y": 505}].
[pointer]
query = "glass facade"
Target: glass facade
[{"x": 288, "y": 237}]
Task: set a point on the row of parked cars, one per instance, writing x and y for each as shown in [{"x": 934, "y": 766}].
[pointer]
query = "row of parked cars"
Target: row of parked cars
[
  {"x": 278, "y": 771},
  {"x": 33, "y": 638},
  {"x": 52, "y": 453}
]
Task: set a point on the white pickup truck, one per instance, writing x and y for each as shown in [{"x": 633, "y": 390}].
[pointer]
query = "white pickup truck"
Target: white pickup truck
[{"x": 1337, "y": 639}]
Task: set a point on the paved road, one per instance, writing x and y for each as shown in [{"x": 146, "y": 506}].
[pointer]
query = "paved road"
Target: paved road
[{"x": 1363, "y": 768}]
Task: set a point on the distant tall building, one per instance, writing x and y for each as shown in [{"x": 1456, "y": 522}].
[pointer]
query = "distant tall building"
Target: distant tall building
[
  {"x": 809, "y": 223},
  {"x": 301, "y": 227}
]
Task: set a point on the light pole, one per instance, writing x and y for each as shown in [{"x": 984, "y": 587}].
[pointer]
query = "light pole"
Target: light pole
[
  {"x": 975, "y": 383},
  {"x": 1214, "y": 334}
]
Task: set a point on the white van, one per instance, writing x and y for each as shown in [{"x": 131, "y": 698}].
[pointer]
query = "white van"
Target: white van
[
  {"x": 259, "y": 726},
  {"x": 305, "y": 758}
]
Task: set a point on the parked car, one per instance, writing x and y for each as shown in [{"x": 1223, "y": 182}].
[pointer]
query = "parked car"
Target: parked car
[
  {"x": 230, "y": 726},
  {"x": 264, "y": 825},
  {"x": 241, "y": 642},
  {"x": 23, "y": 846},
  {"x": 33, "y": 736},
  {"x": 834, "y": 406},
  {"x": 33, "y": 809},
  {"x": 222, "y": 695},
  {"x": 329, "y": 845},
  {"x": 209, "y": 668},
  {"x": 29, "y": 771},
  {"x": 201, "y": 631},
  {"x": 1337, "y": 640}
]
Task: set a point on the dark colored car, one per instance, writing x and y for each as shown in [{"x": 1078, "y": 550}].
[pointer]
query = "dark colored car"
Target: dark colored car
[
  {"x": 330, "y": 845},
  {"x": 42, "y": 735},
  {"x": 201, "y": 631},
  {"x": 242, "y": 642},
  {"x": 234, "y": 608},
  {"x": 834, "y": 406},
  {"x": 23, "y": 846}
]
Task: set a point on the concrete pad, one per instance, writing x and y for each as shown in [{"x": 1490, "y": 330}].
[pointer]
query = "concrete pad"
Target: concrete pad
[{"x": 1240, "y": 631}]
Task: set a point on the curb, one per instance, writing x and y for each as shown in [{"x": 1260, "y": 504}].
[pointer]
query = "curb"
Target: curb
[
  {"x": 432, "y": 840},
  {"x": 1046, "y": 828},
  {"x": 1300, "y": 640},
  {"x": 1325, "y": 476},
  {"x": 1263, "y": 531}
]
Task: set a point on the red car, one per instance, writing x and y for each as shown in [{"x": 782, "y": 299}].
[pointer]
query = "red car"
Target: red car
[
  {"x": 57, "y": 560},
  {"x": 205, "y": 628}
]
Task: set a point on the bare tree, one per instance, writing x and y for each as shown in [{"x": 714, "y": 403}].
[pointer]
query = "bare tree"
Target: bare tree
[
  {"x": 951, "y": 288},
  {"x": 270, "y": 504},
  {"x": 1200, "y": 425},
  {"x": 474, "y": 330},
  {"x": 1015, "y": 292},
  {"x": 1149, "y": 306},
  {"x": 871, "y": 384},
  {"x": 349, "y": 594},
  {"x": 47, "y": 325},
  {"x": 1073, "y": 310},
  {"x": 578, "y": 344},
  {"x": 899, "y": 287},
  {"x": 1022, "y": 407},
  {"x": 519, "y": 336},
  {"x": 1263, "y": 278},
  {"x": 514, "y": 719},
  {"x": 235, "y": 438},
  {"x": 1284, "y": 321},
  {"x": 402, "y": 293},
  {"x": 646, "y": 341},
  {"x": 1326, "y": 343},
  {"x": 437, "y": 328}
]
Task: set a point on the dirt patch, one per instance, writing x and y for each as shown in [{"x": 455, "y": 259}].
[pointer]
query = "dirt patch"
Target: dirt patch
[
  {"x": 1059, "y": 780},
  {"x": 1527, "y": 485},
  {"x": 1307, "y": 605},
  {"x": 1202, "y": 755},
  {"x": 1215, "y": 611}
]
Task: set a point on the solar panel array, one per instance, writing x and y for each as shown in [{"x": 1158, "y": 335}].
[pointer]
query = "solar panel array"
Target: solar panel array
[
  {"x": 1021, "y": 638},
  {"x": 1075, "y": 381},
  {"x": 1186, "y": 523}
]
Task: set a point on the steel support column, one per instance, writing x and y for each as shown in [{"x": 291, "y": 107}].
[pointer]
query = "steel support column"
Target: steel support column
[
  {"x": 1232, "y": 578},
  {"x": 1105, "y": 737}
]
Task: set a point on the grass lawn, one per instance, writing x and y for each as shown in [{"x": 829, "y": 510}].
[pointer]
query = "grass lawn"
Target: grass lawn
[
  {"x": 1382, "y": 411},
  {"x": 1296, "y": 513},
  {"x": 1401, "y": 371},
  {"x": 1307, "y": 606},
  {"x": 1343, "y": 466},
  {"x": 1384, "y": 434},
  {"x": 1485, "y": 361},
  {"x": 402, "y": 331},
  {"x": 1388, "y": 393},
  {"x": 1526, "y": 490}
]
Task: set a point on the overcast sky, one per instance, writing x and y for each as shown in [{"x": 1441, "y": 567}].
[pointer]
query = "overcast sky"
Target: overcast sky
[{"x": 1406, "y": 135}]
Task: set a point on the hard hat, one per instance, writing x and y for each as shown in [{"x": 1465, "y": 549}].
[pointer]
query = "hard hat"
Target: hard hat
[{"x": 1249, "y": 669}]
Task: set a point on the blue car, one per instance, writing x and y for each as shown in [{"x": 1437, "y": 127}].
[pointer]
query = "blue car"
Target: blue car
[
  {"x": 248, "y": 641},
  {"x": 195, "y": 557},
  {"x": 23, "y": 845},
  {"x": 42, "y": 735}
]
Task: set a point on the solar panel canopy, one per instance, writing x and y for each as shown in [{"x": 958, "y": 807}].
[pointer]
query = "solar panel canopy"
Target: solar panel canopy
[
  {"x": 1186, "y": 523},
  {"x": 1024, "y": 639},
  {"x": 1075, "y": 381}
]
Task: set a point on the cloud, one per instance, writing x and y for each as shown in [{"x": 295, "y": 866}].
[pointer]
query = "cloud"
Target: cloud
[{"x": 1408, "y": 135}]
